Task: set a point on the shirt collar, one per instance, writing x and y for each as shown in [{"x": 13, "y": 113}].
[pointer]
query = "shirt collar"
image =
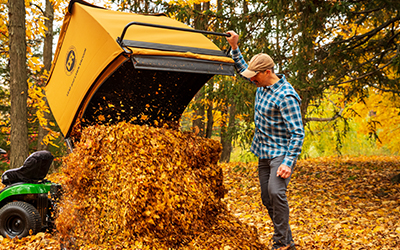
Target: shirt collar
[{"x": 278, "y": 84}]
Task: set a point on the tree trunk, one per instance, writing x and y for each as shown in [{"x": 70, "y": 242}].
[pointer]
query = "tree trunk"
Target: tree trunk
[
  {"x": 47, "y": 57},
  {"x": 210, "y": 120},
  {"x": 18, "y": 83},
  {"x": 197, "y": 17},
  {"x": 226, "y": 137},
  {"x": 303, "y": 108},
  {"x": 198, "y": 122},
  {"x": 206, "y": 6}
]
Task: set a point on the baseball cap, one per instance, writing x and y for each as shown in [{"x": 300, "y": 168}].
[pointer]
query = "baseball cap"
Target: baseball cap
[{"x": 259, "y": 62}]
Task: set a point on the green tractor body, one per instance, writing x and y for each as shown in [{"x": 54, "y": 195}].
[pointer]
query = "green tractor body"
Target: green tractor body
[{"x": 27, "y": 205}]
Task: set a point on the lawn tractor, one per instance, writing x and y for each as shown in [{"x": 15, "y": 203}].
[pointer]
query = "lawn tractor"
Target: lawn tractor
[
  {"x": 110, "y": 67},
  {"x": 27, "y": 203}
]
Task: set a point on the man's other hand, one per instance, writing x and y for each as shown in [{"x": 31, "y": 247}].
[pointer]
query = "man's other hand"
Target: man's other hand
[{"x": 284, "y": 171}]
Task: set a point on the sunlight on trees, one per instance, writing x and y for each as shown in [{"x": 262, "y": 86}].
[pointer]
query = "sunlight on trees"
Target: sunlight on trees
[
  {"x": 379, "y": 117},
  {"x": 318, "y": 45},
  {"x": 35, "y": 31}
]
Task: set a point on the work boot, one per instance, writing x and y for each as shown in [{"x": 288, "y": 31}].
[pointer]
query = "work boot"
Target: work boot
[{"x": 292, "y": 246}]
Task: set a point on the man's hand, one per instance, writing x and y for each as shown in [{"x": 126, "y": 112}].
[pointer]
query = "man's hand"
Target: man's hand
[
  {"x": 284, "y": 171},
  {"x": 233, "y": 39}
]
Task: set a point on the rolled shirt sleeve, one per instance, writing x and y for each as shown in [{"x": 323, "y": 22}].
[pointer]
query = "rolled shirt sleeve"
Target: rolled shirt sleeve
[
  {"x": 240, "y": 63},
  {"x": 291, "y": 115}
]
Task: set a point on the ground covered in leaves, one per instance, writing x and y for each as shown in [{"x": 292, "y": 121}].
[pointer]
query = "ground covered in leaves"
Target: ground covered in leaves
[
  {"x": 336, "y": 203},
  {"x": 160, "y": 189}
]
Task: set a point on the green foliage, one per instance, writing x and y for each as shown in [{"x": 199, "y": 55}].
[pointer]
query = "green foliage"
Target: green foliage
[
  {"x": 142, "y": 7},
  {"x": 322, "y": 46},
  {"x": 245, "y": 155},
  {"x": 4, "y": 165},
  {"x": 322, "y": 142}
]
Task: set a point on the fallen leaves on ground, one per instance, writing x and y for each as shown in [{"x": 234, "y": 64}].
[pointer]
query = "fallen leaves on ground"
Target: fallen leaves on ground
[
  {"x": 121, "y": 196},
  {"x": 39, "y": 241},
  {"x": 336, "y": 203}
]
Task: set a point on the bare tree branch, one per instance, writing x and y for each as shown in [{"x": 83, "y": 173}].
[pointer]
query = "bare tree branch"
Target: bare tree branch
[
  {"x": 366, "y": 11},
  {"x": 37, "y": 6},
  {"x": 376, "y": 70},
  {"x": 328, "y": 119},
  {"x": 336, "y": 82},
  {"x": 368, "y": 34},
  {"x": 384, "y": 90}
]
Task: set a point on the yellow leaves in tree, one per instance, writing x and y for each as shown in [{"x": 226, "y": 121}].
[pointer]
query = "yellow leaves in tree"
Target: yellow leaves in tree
[
  {"x": 380, "y": 113},
  {"x": 3, "y": 23},
  {"x": 161, "y": 188},
  {"x": 187, "y": 2},
  {"x": 34, "y": 64},
  {"x": 5, "y": 127},
  {"x": 37, "y": 101}
]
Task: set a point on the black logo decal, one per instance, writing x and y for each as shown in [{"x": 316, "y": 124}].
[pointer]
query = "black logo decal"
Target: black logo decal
[{"x": 70, "y": 61}]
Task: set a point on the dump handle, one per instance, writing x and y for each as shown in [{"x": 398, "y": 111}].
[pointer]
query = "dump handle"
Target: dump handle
[{"x": 120, "y": 39}]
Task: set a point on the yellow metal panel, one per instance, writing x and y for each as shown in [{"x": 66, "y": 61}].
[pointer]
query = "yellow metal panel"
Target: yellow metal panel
[
  {"x": 85, "y": 51},
  {"x": 114, "y": 22},
  {"x": 138, "y": 51}
]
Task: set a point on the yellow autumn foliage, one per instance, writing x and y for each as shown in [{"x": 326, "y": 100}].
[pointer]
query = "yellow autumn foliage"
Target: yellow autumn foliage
[
  {"x": 187, "y": 2},
  {"x": 380, "y": 113}
]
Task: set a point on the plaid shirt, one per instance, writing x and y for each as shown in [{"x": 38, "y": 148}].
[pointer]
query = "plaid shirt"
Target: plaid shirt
[{"x": 278, "y": 124}]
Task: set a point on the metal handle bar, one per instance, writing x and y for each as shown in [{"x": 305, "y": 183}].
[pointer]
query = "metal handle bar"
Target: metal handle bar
[{"x": 120, "y": 39}]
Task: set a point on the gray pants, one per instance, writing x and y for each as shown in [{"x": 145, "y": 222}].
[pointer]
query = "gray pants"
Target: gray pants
[{"x": 273, "y": 196}]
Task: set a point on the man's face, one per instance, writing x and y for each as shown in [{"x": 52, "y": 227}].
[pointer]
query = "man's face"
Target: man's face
[
  {"x": 264, "y": 78},
  {"x": 260, "y": 78}
]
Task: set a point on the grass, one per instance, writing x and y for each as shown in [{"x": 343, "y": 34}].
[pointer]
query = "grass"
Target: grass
[{"x": 324, "y": 144}]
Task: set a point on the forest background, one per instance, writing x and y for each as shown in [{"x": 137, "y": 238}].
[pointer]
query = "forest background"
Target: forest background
[{"x": 341, "y": 56}]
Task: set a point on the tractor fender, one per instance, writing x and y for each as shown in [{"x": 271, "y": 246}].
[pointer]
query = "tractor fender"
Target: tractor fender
[{"x": 19, "y": 189}]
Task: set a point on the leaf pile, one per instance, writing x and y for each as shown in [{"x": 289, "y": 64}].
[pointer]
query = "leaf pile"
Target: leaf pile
[
  {"x": 41, "y": 241},
  {"x": 336, "y": 203},
  {"x": 129, "y": 186}
]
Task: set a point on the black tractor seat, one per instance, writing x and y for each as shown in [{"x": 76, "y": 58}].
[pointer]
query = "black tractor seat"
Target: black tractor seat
[{"x": 34, "y": 169}]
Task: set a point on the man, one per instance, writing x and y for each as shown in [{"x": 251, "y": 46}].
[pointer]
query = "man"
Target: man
[{"x": 278, "y": 137}]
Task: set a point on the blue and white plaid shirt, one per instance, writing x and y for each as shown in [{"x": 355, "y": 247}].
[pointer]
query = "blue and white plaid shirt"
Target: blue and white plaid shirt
[{"x": 278, "y": 124}]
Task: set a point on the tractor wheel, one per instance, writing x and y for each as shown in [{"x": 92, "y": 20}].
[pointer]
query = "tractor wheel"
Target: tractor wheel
[{"x": 19, "y": 218}]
